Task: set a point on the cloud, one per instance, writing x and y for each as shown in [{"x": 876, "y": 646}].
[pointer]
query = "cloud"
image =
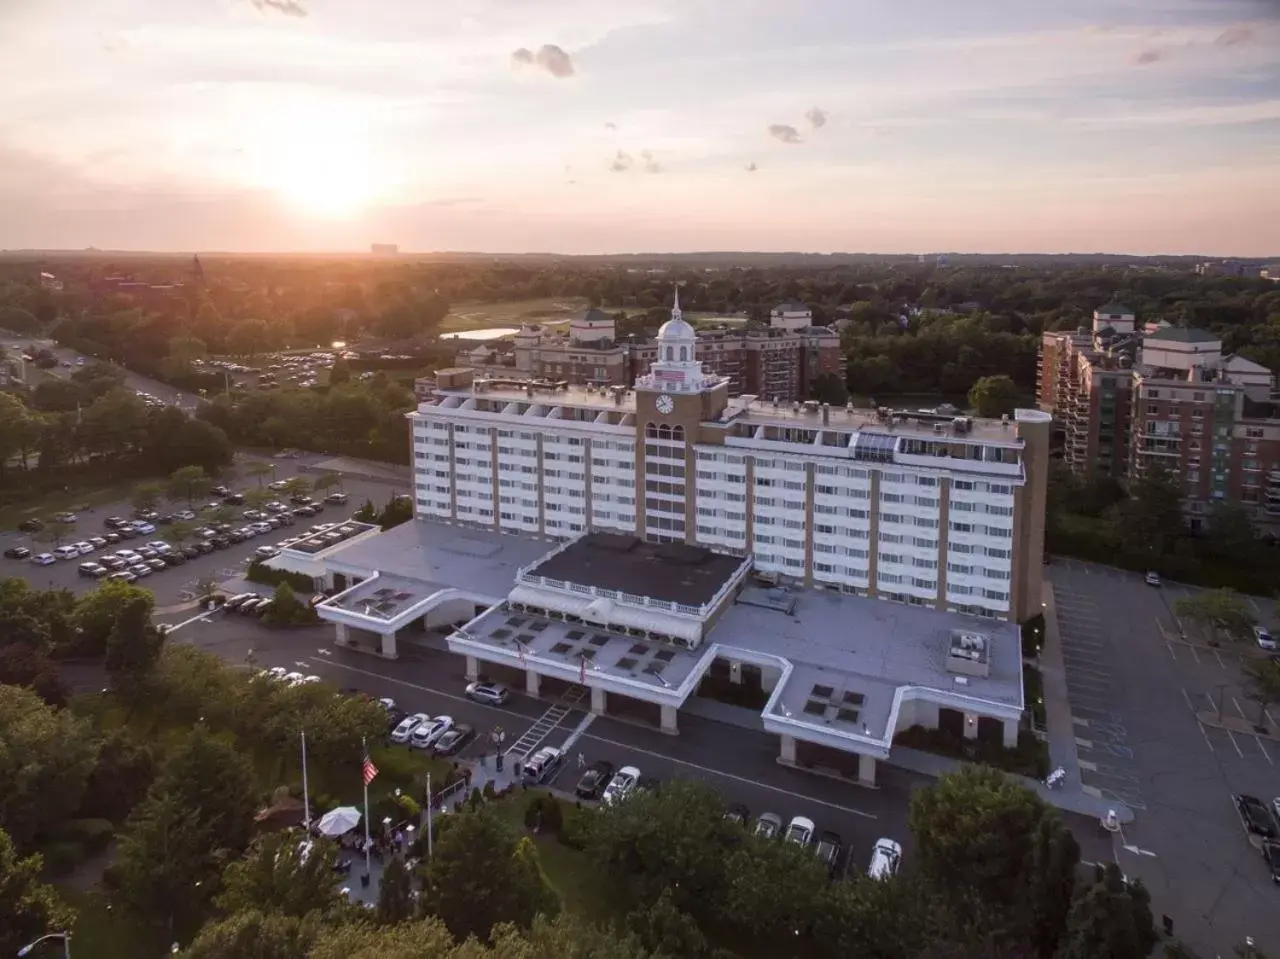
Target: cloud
[
  {"x": 1235, "y": 36},
  {"x": 1150, "y": 56},
  {"x": 622, "y": 162},
  {"x": 551, "y": 58},
  {"x": 290, "y": 8},
  {"x": 751, "y": 167},
  {"x": 817, "y": 117},
  {"x": 650, "y": 164},
  {"x": 784, "y": 132},
  {"x": 610, "y": 125}
]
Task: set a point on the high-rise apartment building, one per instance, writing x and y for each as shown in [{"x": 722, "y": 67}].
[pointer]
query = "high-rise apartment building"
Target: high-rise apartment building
[
  {"x": 1128, "y": 399},
  {"x": 860, "y": 571},
  {"x": 780, "y": 361}
]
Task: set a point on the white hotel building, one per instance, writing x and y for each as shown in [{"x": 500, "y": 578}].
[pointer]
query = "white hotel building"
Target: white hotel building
[{"x": 864, "y": 570}]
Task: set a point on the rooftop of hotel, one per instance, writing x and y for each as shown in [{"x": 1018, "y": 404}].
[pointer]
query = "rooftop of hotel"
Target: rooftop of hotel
[
  {"x": 671, "y": 572},
  {"x": 743, "y": 409}
]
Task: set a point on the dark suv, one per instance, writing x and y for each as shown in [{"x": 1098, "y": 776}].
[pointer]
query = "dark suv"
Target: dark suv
[
  {"x": 1271, "y": 853},
  {"x": 829, "y": 851},
  {"x": 1255, "y": 816},
  {"x": 593, "y": 781}
]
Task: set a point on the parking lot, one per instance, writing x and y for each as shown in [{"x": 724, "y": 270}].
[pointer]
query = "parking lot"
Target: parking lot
[
  {"x": 1135, "y": 688},
  {"x": 177, "y": 585}
]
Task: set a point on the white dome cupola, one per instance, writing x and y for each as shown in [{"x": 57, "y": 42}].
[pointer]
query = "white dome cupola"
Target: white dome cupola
[{"x": 677, "y": 369}]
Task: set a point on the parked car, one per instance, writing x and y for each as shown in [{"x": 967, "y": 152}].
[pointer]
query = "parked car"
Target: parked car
[
  {"x": 830, "y": 852},
  {"x": 407, "y": 725},
  {"x": 157, "y": 564},
  {"x": 113, "y": 563},
  {"x": 337, "y": 499},
  {"x": 93, "y": 570},
  {"x": 278, "y": 485},
  {"x": 143, "y": 528},
  {"x": 1264, "y": 638},
  {"x": 769, "y": 825},
  {"x": 141, "y": 570},
  {"x": 1153, "y": 578},
  {"x": 394, "y": 718},
  {"x": 84, "y": 546},
  {"x": 66, "y": 552},
  {"x": 233, "y": 499},
  {"x": 620, "y": 786},
  {"x": 124, "y": 576},
  {"x": 65, "y": 517},
  {"x": 800, "y": 831},
  {"x": 594, "y": 781},
  {"x": 425, "y": 736},
  {"x": 174, "y": 558},
  {"x": 1271, "y": 855},
  {"x": 738, "y": 813},
  {"x": 17, "y": 552},
  {"x": 454, "y": 739},
  {"x": 1255, "y": 817},
  {"x": 30, "y": 526},
  {"x": 238, "y": 599},
  {"x": 492, "y": 694},
  {"x": 542, "y": 765},
  {"x": 885, "y": 859},
  {"x": 98, "y": 542}
]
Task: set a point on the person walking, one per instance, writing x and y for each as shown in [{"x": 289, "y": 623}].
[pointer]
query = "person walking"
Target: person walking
[{"x": 582, "y": 760}]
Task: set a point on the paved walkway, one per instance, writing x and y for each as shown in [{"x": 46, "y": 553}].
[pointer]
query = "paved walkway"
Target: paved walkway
[{"x": 362, "y": 469}]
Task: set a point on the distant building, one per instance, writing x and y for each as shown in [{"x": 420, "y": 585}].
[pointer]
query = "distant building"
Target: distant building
[
  {"x": 1127, "y": 398},
  {"x": 780, "y": 362},
  {"x": 50, "y": 282},
  {"x": 1221, "y": 268},
  {"x": 384, "y": 249}
]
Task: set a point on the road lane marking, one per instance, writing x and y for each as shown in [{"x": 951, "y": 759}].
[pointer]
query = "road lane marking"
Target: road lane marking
[
  {"x": 202, "y": 617},
  {"x": 742, "y": 779},
  {"x": 1139, "y": 852}
]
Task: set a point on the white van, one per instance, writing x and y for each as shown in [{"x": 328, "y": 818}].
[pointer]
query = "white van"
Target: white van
[
  {"x": 67, "y": 552},
  {"x": 885, "y": 859}
]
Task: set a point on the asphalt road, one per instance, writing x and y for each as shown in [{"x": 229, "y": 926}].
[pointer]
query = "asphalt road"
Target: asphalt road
[
  {"x": 740, "y": 763},
  {"x": 1134, "y": 688},
  {"x": 174, "y": 585}
]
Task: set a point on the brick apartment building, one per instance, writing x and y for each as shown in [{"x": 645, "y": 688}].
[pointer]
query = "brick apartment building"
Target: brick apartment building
[
  {"x": 1127, "y": 397},
  {"x": 780, "y": 361}
]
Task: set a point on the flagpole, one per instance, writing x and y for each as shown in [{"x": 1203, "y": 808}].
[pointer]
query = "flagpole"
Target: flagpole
[
  {"x": 306, "y": 794},
  {"x": 430, "y": 811},
  {"x": 365, "y": 780}
]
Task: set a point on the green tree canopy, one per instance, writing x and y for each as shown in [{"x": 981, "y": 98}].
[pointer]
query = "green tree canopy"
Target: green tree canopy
[
  {"x": 395, "y": 893},
  {"x": 188, "y": 482},
  {"x": 255, "y": 934},
  {"x": 165, "y": 863},
  {"x": 133, "y": 646},
  {"x": 1111, "y": 920},
  {"x": 483, "y": 874},
  {"x": 993, "y": 395},
  {"x": 283, "y": 874},
  {"x": 98, "y": 612},
  {"x": 29, "y": 907},
  {"x": 1218, "y": 610}
]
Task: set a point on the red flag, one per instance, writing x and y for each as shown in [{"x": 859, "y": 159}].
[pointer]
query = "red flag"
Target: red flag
[{"x": 370, "y": 770}]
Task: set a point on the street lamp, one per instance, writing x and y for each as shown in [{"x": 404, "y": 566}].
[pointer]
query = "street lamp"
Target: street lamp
[{"x": 64, "y": 936}]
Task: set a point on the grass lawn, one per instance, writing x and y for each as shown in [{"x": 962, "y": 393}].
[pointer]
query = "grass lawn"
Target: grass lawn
[
  {"x": 44, "y": 506},
  {"x": 102, "y": 934},
  {"x": 478, "y": 316}
]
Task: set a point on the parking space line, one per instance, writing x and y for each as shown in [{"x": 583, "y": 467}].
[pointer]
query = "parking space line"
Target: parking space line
[
  {"x": 1240, "y": 709},
  {"x": 1086, "y": 765},
  {"x": 1265, "y": 755},
  {"x": 1084, "y": 743},
  {"x": 1205, "y": 734},
  {"x": 1079, "y": 722},
  {"x": 1169, "y": 646},
  {"x": 1230, "y": 736}
]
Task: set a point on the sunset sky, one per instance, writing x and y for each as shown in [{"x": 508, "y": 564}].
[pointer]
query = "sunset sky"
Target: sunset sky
[{"x": 589, "y": 126}]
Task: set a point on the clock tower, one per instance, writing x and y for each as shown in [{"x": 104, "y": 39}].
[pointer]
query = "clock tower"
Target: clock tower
[{"x": 672, "y": 401}]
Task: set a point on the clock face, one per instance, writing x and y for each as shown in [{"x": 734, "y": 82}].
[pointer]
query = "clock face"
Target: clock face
[{"x": 665, "y": 404}]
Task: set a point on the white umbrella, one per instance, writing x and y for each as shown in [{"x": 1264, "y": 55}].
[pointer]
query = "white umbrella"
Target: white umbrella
[{"x": 338, "y": 821}]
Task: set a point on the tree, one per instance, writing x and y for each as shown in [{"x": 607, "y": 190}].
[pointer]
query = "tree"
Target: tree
[
  {"x": 188, "y": 482},
  {"x": 146, "y": 496},
  {"x": 483, "y": 874},
  {"x": 259, "y": 470},
  {"x": 1150, "y": 521},
  {"x": 980, "y": 832},
  {"x": 771, "y": 889},
  {"x": 179, "y": 533},
  {"x": 133, "y": 647},
  {"x": 297, "y": 486},
  {"x": 254, "y": 934},
  {"x": 30, "y": 908},
  {"x": 164, "y": 862},
  {"x": 829, "y": 388},
  {"x": 667, "y": 931},
  {"x": 1111, "y": 919},
  {"x": 282, "y": 874},
  {"x": 27, "y": 664},
  {"x": 120, "y": 779},
  {"x": 993, "y": 395},
  {"x": 340, "y": 372},
  {"x": 98, "y": 612},
  {"x": 247, "y": 337},
  {"x": 258, "y": 498},
  {"x": 395, "y": 893},
  {"x": 46, "y": 756},
  {"x": 1217, "y": 610},
  {"x": 327, "y": 481},
  {"x": 214, "y": 779},
  {"x": 1264, "y": 684}
]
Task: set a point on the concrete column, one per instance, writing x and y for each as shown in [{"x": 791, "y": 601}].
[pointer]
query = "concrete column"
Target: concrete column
[
  {"x": 735, "y": 672},
  {"x": 340, "y": 634},
  {"x": 532, "y": 683},
  {"x": 867, "y": 770},
  {"x": 389, "y": 646},
  {"x": 473, "y": 669},
  {"x": 788, "y": 754},
  {"x": 669, "y": 722},
  {"x": 1010, "y": 734},
  {"x": 970, "y": 726},
  {"x": 598, "y": 701}
]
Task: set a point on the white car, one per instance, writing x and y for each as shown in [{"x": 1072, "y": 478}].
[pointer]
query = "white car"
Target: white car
[
  {"x": 294, "y": 679},
  {"x": 621, "y": 785},
  {"x": 84, "y": 547},
  {"x": 277, "y": 672},
  {"x": 266, "y": 552},
  {"x": 185, "y": 514},
  {"x": 800, "y": 831},
  {"x": 1153, "y": 578},
  {"x": 129, "y": 556},
  {"x": 542, "y": 765},
  {"x": 144, "y": 528},
  {"x": 44, "y": 559},
  {"x": 160, "y": 546},
  {"x": 425, "y": 736},
  {"x": 885, "y": 859},
  {"x": 407, "y": 725},
  {"x": 387, "y": 703},
  {"x": 309, "y": 680},
  {"x": 66, "y": 552},
  {"x": 1264, "y": 638}
]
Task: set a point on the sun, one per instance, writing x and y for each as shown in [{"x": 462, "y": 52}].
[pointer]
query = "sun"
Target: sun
[{"x": 318, "y": 165}]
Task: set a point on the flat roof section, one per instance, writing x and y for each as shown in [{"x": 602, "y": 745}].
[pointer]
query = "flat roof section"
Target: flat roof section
[
  {"x": 384, "y": 597},
  {"x": 672, "y": 572},
  {"x": 438, "y": 556}
]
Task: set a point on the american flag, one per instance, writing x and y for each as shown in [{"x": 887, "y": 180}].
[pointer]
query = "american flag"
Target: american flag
[{"x": 370, "y": 770}]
